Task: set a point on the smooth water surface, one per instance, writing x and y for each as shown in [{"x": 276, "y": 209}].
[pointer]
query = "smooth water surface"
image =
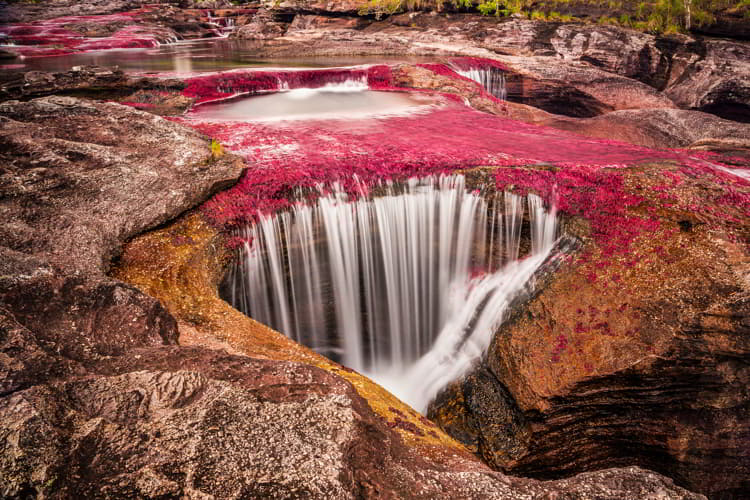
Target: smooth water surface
[
  {"x": 194, "y": 56},
  {"x": 349, "y": 99}
]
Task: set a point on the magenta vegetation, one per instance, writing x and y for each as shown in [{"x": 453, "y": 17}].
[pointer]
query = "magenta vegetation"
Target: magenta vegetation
[
  {"x": 582, "y": 176},
  {"x": 60, "y": 36}
]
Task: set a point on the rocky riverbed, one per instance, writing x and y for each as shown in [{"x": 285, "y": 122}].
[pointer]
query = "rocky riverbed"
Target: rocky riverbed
[{"x": 125, "y": 375}]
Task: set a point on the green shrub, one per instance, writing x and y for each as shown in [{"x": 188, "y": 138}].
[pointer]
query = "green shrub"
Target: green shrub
[{"x": 216, "y": 150}]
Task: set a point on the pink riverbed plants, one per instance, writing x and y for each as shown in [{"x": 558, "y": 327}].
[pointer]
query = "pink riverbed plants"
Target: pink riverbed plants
[
  {"x": 62, "y": 35},
  {"x": 582, "y": 176}
]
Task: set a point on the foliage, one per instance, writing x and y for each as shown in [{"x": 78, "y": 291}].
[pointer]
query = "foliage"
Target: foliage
[
  {"x": 380, "y": 8},
  {"x": 657, "y": 16},
  {"x": 216, "y": 150}
]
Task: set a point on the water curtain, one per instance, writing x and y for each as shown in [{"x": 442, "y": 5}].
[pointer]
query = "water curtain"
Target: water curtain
[{"x": 408, "y": 285}]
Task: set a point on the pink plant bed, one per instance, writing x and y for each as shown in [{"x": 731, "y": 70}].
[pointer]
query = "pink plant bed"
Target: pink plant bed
[
  {"x": 51, "y": 37},
  {"x": 580, "y": 175}
]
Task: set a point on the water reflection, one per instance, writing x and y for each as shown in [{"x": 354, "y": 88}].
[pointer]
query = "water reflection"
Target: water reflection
[
  {"x": 348, "y": 99},
  {"x": 215, "y": 54}
]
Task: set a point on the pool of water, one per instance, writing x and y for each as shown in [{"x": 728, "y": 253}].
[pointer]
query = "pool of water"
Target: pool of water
[
  {"x": 350, "y": 99},
  {"x": 194, "y": 56}
]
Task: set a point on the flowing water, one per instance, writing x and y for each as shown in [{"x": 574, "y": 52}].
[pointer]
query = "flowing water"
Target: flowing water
[
  {"x": 348, "y": 99},
  {"x": 407, "y": 287},
  {"x": 491, "y": 78}
]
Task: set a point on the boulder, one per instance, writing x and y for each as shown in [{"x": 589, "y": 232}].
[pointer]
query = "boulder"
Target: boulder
[
  {"x": 646, "y": 363},
  {"x": 658, "y": 128},
  {"x": 263, "y": 26},
  {"x": 716, "y": 83}
]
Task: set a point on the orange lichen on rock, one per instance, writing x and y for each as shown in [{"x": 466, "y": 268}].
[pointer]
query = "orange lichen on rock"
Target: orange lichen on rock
[{"x": 182, "y": 265}]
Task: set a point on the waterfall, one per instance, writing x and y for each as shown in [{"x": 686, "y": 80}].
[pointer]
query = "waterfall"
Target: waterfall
[
  {"x": 399, "y": 286},
  {"x": 492, "y": 79}
]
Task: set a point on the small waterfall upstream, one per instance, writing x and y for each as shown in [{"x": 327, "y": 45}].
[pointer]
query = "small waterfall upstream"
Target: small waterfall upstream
[
  {"x": 491, "y": 78},
  {"x": 407, "y": 287}
]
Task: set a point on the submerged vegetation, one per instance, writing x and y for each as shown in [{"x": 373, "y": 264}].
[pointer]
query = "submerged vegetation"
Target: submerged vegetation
[{"x": 659, "y": 16}]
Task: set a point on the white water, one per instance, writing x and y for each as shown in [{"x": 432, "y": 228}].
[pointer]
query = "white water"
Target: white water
[
  {"x": 349, "y": 99},
  {"x": 395, "y": 286},
  {"x": 492, "y": 79}
]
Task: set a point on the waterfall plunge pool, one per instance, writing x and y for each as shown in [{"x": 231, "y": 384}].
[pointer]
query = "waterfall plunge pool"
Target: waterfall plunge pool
[
  {"x": 407, "y": 287},
  {"x": 348, "y": 99}
]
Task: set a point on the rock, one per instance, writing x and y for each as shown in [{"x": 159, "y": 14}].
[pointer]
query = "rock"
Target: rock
[
  {"x": 97, "y": 401},
  {"x": 7, "y": 55},
  {"x": 66, "y": 149},
  {"x": 716, "y": 83},
  {"x": 576, "y": 89},
  {"x": 657, "y": 128},
  {"x": 73, "y": 171},
  {"x": 191, "y": 421},
  {"x": 94, "y": 30},
  {"x": 309, "y": 22},
  {"x": 264, "y": 25},
  {"x": 642, "y": 365},
  {"x": 351, "y": 7},
  {"x": 17, "y": 12},
  {"x": 92, "y": 79},
  {"x": 732, "y": 23}
]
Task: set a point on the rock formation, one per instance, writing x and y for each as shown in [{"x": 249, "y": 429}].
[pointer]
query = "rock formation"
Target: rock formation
[
  {"x": 98, "y": 399},
  {"x": 122, "y": 373}
]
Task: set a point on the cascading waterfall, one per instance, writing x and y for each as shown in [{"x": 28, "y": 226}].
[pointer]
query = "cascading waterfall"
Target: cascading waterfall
[
  {"x": 407, "y": 287},
  {"x": 492, "y": 79}
]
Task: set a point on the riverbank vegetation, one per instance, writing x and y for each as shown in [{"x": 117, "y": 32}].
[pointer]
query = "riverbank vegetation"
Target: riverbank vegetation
[{"x": 659, "y": 16}]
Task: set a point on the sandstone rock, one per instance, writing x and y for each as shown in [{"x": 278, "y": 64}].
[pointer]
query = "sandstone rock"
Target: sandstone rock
[
  {"x": 193, "y": 422},
  {"x": 658, "y": 128},
  {"x": 309, "y": 22},
  {"x": 641, "y": 365},
  {"x": 32, "y": 11},
  {"x": 264, "y": 25},
  {"x": 731, "y": 23},
  {"x": 351, "y": 7},
  {"x": 7, "y": 55},
  {"x": 576, "y": 89},
  {"x": 93, "y": 79},
  {"x": 113, "y": 158},
  {"x": 717, "y": 83},
  {"x": 73, "y": 172}
]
